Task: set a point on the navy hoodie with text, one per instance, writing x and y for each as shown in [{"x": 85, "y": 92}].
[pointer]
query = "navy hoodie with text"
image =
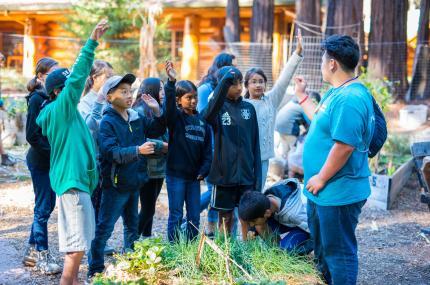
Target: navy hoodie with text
[
  {"x": 119, "y": 142},
  {"x": 190, "y": 149},
  {"x": 237, "y": 159}
]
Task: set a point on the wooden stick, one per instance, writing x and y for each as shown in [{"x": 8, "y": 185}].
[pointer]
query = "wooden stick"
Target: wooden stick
[
  {"x": 227, "y": 266},
  {"x": 216, "y": 248},
  {"x": 200, "y": 249}
]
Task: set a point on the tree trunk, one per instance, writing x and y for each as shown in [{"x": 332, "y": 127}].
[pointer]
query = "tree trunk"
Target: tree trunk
[
  {"x": 262, "y": 21},
  {"x": 232, "y": 22},
  {"x": 345, "y": 17},
  {"x": 388, "y": 43},
  {"x": 420, "y": 84},
  {"x": 308, "y": 16}
]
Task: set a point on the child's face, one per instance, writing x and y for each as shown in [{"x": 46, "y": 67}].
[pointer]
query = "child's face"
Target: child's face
[
  {"x": 235, "y": 90},
  {"x": 188, "y": 102},
  {"x": 256, "y": 86},
  {"x": 161, "y": 94},
  {"x": 121, "y": 97},
  {"x": 101, "y": 79},
  {"x": 258, "y": 222}
]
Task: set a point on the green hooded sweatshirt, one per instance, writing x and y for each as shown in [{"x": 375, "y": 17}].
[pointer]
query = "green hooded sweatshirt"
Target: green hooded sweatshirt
[{"x": 73, "y": 155}]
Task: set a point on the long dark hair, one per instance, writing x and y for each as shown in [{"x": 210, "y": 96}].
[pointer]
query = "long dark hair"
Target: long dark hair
[
  {"x": 183, "y": 87},
  {"x": 249, "y": 74},
  {"x": 43, "y": 66},
  {"x": 98, "y": 68},
  {"x": 150, "y": 86},
  {"x": 221, "y": 60}
]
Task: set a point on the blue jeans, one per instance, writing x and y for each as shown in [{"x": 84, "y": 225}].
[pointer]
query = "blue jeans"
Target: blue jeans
[
  {"x": 294, "y": 240},
  {"x": 335, "y": 245},
  {"x": 180, "y": 191},
  {"x": 264, "y": 170},
  {"x": 44, "y": 204},
  {"x": 205, "y": 200},
  {"x": 114, "y": 204}
]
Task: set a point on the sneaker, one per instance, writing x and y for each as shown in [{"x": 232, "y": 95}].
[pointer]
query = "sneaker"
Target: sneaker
[
  {"x": 6, "y": 161},
  {"x": 47, "y": 264},
  {"x": 109, "y": 250},
  {"x": 30, "y": 256}
]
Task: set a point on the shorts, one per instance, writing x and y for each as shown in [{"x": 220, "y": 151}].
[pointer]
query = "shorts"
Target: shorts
[
  {"x": 226, "y": 198},
  {"x": 76, "y": 222}
]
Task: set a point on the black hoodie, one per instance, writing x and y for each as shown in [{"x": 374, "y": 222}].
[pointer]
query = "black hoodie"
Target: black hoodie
[
  {"x": 39, "y": 152},
  {"x": 237, "y": 159}
]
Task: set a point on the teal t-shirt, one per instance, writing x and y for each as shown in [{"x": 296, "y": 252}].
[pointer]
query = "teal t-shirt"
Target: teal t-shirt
[{"x": 346, "y": 115}]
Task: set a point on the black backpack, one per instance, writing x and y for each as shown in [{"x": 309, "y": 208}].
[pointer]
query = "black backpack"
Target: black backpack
[{"x": 380, "y": 132}]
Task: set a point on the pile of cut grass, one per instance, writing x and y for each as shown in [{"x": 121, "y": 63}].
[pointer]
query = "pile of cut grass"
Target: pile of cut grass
[{"x": 263, "y": 262}]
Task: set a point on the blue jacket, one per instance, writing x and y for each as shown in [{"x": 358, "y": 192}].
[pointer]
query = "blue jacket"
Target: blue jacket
[
  {"x": 119, "y": 142},
  {"x": 190, "y": 147}
]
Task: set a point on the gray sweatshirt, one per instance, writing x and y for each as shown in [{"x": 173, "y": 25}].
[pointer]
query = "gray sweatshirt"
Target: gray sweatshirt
[{"x": 269, "y": 105}]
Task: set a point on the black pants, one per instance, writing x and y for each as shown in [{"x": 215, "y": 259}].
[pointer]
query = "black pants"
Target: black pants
[{"x": 148, "y": 197}]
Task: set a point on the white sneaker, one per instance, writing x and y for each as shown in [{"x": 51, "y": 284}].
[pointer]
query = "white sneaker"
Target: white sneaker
[{"x": 47, "y": 264}]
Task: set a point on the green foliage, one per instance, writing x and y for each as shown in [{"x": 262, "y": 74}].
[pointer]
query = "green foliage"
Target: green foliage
[
  {"x": 11, "y": 79},
  {"x": 395, "y": 152},
  {"x": 14, "y": 106},
  {"x": 154, "y": 260},
  {"x": 381, "y": 90},
  {"x": 122, "y": 48}
]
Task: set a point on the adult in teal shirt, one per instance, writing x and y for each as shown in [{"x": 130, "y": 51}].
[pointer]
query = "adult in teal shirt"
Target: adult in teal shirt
[{"x": 335, "y": 160}]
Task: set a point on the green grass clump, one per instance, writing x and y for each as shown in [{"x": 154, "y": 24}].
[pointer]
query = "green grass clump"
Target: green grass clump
[{"x": 264, "y": 262}]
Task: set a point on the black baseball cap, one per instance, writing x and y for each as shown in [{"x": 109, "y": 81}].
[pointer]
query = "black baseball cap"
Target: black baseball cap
[{"x": 56, "y": 79}]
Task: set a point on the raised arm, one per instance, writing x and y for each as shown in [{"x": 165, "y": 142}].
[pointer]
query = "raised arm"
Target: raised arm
[
  {"x": 68, "y": 99},
  {"x": 278, "y": 94},
  {"x": 210, "y": 113},
  {"x": 169, "y": 108}
]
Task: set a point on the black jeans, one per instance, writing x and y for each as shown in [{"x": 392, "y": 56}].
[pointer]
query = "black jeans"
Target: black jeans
[{"x": 148, "y": 197}]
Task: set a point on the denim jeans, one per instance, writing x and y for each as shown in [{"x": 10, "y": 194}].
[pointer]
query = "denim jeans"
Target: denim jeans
[
  {"x": 182, "y": 191},
  {"x": 264, "y": 171},
  {"x": 293, "y": 240},
  {"x": 148, "y": 197},
  {"x": 114, "y": 204},
  {"x": 335, "y": 245},
  {"x": 205, "y": 200},
  {"x": 44, "y": 204}
]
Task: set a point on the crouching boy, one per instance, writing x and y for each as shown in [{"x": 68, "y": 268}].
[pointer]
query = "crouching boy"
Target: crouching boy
[
  {"x": 122, "y": 141},
  {"x": 278, "y": 211}
]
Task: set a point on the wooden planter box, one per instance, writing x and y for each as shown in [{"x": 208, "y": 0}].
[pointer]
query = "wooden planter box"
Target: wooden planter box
[{"x": 386, "y": 188}]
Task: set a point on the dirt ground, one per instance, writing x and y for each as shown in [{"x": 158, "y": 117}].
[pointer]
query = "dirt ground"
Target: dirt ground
[{"x": 391, "y": 249}]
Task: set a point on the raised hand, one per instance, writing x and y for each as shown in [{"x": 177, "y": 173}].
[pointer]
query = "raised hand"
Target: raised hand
[
  {"x": 99, "y": 30},
  {"x": 299, "y": 47},
  {"x": 300, "y": 87},
  {"x": 170, "y": 70},
  {"x": 147, "y": 148},
  {"x": 150, "y": 102}
]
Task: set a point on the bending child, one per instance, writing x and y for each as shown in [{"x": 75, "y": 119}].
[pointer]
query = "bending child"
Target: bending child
[{"x": 278, "y": 211}]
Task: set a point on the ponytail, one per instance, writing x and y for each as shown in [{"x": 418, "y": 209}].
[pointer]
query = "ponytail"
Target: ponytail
[
  {"x": 43, "y": 66},
  {"x": 33, "y": 84},
  {"x": 98, "y": 68}
]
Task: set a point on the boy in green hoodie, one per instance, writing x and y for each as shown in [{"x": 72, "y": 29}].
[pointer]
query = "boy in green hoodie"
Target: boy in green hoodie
[{"x": 73, "y": 170}]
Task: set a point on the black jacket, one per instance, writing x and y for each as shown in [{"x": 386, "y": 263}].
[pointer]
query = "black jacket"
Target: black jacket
[
  {"x": 39, "y": 152},
  {"x": 119, "y": 141},
  {"x": 190, "y": 143},
  {"x": 237, "y": 159}
]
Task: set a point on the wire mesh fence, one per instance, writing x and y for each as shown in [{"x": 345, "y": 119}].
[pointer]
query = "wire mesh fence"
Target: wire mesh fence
[{"x": 124, "y": 56}]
